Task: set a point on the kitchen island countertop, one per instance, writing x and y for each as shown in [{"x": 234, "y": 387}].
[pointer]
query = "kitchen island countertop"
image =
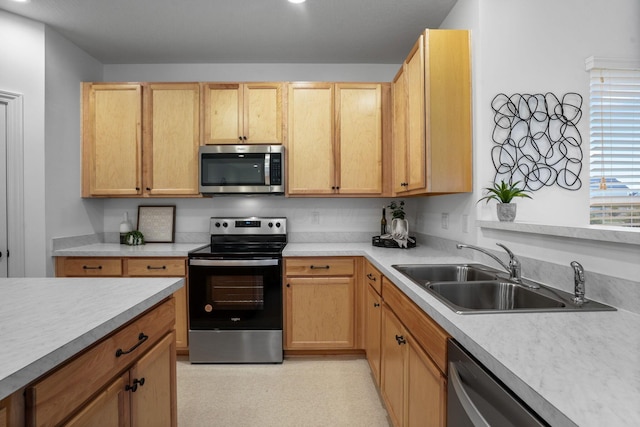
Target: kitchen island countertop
[
  {"x": 573, "y": 369},
  {"x": 45, "y": 321}
]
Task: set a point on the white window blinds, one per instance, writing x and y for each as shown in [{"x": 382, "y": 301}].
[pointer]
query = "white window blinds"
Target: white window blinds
[{"x": 615, "y": 143}]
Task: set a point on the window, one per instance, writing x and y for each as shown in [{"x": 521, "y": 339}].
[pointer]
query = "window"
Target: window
[{"x": 615, "y": 142}]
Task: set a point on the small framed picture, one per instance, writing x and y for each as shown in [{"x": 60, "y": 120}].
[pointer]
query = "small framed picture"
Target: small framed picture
[{"x": 157, "y": 223}]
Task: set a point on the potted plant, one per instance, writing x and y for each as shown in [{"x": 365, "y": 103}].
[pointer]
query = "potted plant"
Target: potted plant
[{"x": 504, "y": 193}]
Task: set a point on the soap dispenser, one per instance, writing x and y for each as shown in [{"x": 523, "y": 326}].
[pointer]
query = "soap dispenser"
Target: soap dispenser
[{"x": 125, "y": 227}]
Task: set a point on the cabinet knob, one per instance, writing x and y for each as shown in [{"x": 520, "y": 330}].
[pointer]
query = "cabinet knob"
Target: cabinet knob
[
  {"x": 288, "y": 285},
  {"x": 371, "y": 277},
  {"x": 148, "y": 188},
  {"x": 137, "y": 188},
  {"x": 401, "y": 339},
  {"x": 134, "y": 387},
  {"x": 375, "y": 304}
]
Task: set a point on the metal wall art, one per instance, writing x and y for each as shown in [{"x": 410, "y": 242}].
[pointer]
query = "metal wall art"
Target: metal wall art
[{"x": 536, "y": 140}]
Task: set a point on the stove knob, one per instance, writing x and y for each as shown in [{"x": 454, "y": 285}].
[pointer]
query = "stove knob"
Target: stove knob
[
  {"x": 270, "y": 224},
  {"x": 218, "y": 224},
  {"x": 224, "y": 224},
  {"x": 278, "y": 224}
]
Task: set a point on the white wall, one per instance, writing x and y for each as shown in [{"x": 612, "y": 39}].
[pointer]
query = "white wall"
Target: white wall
[
  {"x": 537, "y": 47},
  {"x": 250, "y": 72},
  {"x": 66, "y": 66},
  {"x": 22, "y": 71}
]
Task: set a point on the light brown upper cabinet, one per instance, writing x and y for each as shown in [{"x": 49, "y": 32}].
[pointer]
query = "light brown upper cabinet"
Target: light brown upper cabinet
[
  {"x": 243, "y": 113},
  {"x": 111, "y": 139},
  {"x": 335, "y": 139},
  {"x": 171, "y": 137},
  {"x": 140, "y": 139},
  {"x": 432, "y": 130}
]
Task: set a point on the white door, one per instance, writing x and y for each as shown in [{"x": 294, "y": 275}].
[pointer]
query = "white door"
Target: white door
[{"x": 3, "y": 190}]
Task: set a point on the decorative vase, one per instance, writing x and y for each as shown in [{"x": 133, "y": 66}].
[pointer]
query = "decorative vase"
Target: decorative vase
[
  {"x": 506, "y": 211},
  {"x": 400, "y": 227}
]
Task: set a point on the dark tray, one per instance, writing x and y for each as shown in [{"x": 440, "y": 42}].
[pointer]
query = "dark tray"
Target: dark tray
[{"x": 390, "y": 243}]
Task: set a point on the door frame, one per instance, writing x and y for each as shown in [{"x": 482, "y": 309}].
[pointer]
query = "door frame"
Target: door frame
[{"x": 15, "y": 182}]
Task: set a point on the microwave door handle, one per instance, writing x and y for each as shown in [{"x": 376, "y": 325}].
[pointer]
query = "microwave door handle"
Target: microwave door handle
[
  {"x": 267, "y": 169},
  {"x": 469, "y": 407},
  {"x": 234, "y": 262}
]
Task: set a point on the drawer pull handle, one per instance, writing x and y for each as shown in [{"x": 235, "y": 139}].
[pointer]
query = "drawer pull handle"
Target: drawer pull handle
[
  {"x": 151, "y": 267},
  {"x": 375, "y": 304},
  {"x": 134, "y": 387},
  {"x": 400, "y": 339},
  {"x": 371, "y": 277},
  {"x": 88, "y": 267},
  {"x": 141, "y": 338},
  {"x": 320, "y": 267}
]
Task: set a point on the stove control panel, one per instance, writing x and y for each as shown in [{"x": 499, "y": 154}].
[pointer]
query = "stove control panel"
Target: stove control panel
[{"x": 251, "y": 225}]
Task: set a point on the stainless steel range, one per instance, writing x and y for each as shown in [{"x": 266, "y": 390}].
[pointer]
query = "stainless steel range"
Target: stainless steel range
[{"x": 235, "y": 292}]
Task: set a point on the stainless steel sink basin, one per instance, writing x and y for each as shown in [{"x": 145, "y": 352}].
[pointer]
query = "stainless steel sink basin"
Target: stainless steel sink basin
[
  {"x": 492, "y": 295},
  {"x": 475, "y": 288},
  {"x": 428, "y": 273}
]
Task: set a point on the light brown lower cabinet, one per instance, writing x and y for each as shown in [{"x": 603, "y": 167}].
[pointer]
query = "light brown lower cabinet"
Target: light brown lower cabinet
[
  {"x": 135, "y": 267},
  {"x": 373, "y": 318},
  {"x": 412, "y": 364},
  {"x": 126, "y": 379},
  {"x": 320, "y": 304}
]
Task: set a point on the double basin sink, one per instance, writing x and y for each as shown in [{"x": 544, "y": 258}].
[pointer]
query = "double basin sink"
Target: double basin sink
[{"x": 476, "y": 288}]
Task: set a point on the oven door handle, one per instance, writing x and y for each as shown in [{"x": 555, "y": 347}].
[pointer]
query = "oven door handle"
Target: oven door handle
[{"x": 234, "y": 262}]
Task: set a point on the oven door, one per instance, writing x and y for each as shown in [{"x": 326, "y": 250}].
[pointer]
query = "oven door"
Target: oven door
[{"x": 235, "y": 294}]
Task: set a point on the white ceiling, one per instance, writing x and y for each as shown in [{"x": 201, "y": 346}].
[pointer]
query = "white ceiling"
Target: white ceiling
[{"x": 239, "y": 31}]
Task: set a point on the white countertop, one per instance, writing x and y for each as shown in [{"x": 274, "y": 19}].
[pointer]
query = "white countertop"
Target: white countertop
[
  {"x": 45, "y": 321},
  {"x": 571, "y": 368},
  {"x": 118, "y": 250}
]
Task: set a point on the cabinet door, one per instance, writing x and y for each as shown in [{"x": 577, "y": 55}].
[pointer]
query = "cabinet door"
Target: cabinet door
[
  {"x": 416, "y": 156},
  {"x": 112, "y": 145},
  {"x": 263, "y": 118},
  {"x": 448, "y": 94},
  {"x": 393, "y": 366},
  {"x": 320, "y": 313},
  {"x": 171, "y": 138},
  {"x": 310, "y": 142},
  {"x": 153, "y": 378},
  {"x": 223, "y": 113},
  {"x": 373, "y": 325},
  {"x": 110, "y": 408},
  {"x": 426, "y": 390},
  {"x": 400, "y": 178},
  {"x": 359, "y": 138}
]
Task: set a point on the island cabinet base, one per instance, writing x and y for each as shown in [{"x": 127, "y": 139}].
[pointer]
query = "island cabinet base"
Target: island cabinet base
[{"x": 126, "y": 379}]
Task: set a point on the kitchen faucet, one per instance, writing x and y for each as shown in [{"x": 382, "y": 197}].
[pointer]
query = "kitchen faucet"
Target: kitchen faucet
[
  {"x": 578, "y": 278},
  {"x": 514, "y": 267}
]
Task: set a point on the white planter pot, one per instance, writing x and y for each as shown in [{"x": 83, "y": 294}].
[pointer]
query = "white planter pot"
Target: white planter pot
[{"x": 506, "y": 211}]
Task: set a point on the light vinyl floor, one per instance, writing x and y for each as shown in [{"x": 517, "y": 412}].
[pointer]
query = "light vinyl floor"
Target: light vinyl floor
[{"x": 301, "y": 392}]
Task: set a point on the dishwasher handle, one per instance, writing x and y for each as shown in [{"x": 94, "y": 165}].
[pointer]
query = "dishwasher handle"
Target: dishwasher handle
[{"x": 463, "y": 397}]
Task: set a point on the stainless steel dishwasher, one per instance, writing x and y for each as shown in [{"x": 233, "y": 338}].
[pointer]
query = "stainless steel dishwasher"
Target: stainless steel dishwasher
[{"x": 477, "y": 399}]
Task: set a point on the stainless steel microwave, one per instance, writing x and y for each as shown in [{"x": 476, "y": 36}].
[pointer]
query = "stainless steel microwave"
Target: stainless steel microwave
[{"x": 241, "y": 169}]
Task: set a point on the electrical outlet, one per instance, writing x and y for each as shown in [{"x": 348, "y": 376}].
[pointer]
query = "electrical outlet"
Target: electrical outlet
[
  {"x": 315, "y": 217},
  {"x": 465, "y": 223},
  {"x": 445, "y": 220}
]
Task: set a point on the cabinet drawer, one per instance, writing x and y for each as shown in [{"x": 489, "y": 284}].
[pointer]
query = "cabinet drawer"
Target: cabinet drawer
[
  {"x": 156, "y": 267},
  {"x": 81, "y": 267},
  {"x": 60, "y": 393},
  {"x": 373, "y": 277},
  {"x": 431, "y": 337},
  {"x": 319, "y": 266}
]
